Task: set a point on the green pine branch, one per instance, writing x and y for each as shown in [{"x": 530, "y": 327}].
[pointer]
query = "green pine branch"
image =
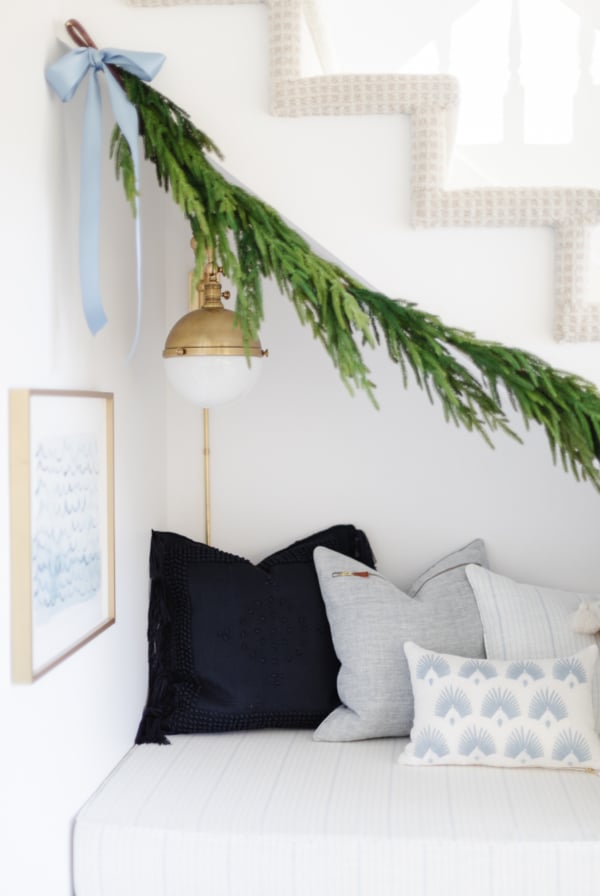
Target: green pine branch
[{"x": 251, "y": 241}]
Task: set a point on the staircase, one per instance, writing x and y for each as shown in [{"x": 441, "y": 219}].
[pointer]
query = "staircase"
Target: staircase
[{"x": 432, "y": 103}]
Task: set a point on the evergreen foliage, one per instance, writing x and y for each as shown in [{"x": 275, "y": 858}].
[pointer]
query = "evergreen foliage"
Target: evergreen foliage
[{"x": 252, "y": 241}]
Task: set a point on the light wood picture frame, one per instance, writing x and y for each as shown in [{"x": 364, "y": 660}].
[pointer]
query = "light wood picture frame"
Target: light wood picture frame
[{"x": 62, "y": 525}]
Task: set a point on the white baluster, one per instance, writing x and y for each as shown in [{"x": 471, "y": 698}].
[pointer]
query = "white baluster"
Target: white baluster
[{"x": 514, "y": 99}]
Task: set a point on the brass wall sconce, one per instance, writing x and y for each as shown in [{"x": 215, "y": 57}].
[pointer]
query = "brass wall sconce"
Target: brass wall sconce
[{"x": 206, "y": 361}]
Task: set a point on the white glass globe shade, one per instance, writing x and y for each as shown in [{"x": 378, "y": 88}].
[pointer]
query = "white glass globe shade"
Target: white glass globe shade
[{"x": 209, "y": 380}]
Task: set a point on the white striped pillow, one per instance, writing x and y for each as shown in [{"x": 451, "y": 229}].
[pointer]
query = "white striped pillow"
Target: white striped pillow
[{"x": 526, "y": 620}]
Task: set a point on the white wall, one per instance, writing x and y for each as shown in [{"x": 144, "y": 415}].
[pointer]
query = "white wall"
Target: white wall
[
  {"x": 61, "y": 735},
  {"x": 296, "y": 454}
]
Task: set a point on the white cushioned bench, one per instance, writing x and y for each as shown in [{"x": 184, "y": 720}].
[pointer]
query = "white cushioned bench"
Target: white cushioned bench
[{"x": 274, "y": 813}]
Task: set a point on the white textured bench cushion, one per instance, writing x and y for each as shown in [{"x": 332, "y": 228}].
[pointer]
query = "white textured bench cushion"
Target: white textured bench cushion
[{"x": 273, "y": 813}]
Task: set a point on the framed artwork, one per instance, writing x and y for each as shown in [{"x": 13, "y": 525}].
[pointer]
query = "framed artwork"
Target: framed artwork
[{"x": 62, "y": 525}]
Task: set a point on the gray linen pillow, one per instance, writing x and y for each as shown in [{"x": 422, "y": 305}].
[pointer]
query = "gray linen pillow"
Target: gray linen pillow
[
  {"x": 445, "y": 582},
  {"x": 370, "y": 621}
]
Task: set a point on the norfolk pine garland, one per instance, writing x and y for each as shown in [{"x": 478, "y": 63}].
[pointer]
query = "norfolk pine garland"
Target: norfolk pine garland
[{"x": 252, "y": 241}]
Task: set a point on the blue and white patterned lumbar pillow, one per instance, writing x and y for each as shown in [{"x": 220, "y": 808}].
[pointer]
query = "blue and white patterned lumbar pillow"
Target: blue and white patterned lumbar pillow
[{"x": 502, "y": 712}]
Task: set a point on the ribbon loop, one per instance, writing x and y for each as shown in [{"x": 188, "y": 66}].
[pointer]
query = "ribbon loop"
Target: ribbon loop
[{"x": 65, "y": 76}]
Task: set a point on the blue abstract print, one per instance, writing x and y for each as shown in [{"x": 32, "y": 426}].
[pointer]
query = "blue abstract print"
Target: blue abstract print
[
  {"x": 430, "y": 744},
  {"x": 569, "y": 669},
  {"x": 66, "y": 549},
  {"x": 500, "y": 704},
  {"x": 432, "y": 666},
  {"x": 524, "y": 671},
  {"x": 572, "y": 748},
  {"x": 523, "y": 746},
  {"x": 548, "y": 706},
  {"x": 453, "y": 703},
  {"x": 476, "y": 743},
  {"x": 477, "y": 670}
]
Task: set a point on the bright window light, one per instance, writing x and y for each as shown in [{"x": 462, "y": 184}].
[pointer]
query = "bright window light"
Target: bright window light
[
  {"x": 519, "y": 61},
  {"x": 480, "y": 60},
  {"x": 549, "y": 70}
]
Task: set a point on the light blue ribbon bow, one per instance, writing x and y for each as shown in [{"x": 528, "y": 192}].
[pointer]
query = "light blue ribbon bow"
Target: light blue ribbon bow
[{"x": 65, "y": 76}]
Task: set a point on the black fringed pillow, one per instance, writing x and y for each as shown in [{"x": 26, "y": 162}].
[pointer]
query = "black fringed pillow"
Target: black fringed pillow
[{"x": 234, "y": 646}]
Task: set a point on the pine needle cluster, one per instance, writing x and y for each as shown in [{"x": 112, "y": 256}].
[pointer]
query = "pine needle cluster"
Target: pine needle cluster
[{"x": 253, "y": 242}]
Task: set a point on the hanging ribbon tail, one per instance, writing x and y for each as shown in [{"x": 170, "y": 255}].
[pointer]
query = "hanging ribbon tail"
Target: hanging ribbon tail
[
  {"x": 144, "y": 66},
  {"x": 65, "y": 76},
  {"x": 89, "y": 208}
]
